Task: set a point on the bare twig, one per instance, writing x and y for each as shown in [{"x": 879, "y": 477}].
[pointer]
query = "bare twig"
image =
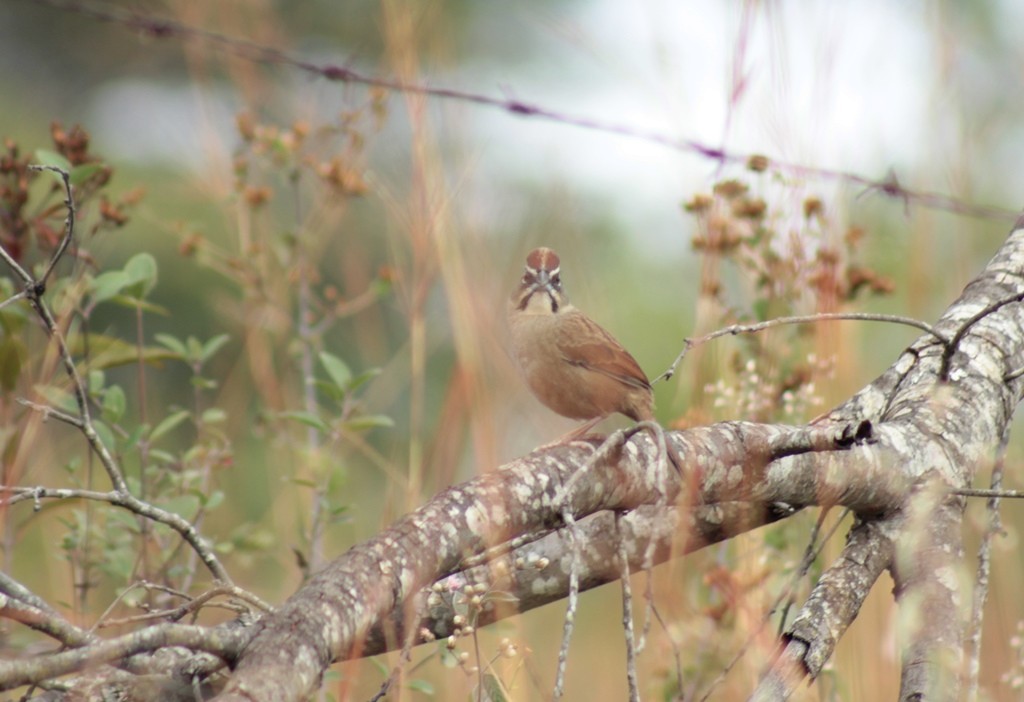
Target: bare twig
[
  {"x": 736, "y": 329},
  {"x": 193, "y": 605},
  {"x": 810, "y": 554},
  {"x": 992, "y": 494},
  {"x": 222, "y": 642},
  {"x": 44, "y": 620},
  {"x": 612, "y": 442},
  {"x": 993, "y": 528},
  {"x": 132, "y": 504},
  {"x": 13, "y": 298},
  {"x": 641, "y": 642},
  {"x": 405, "y": 656},
  {"x": 69, "y": 221},
  {"x": 48, "y": 411},
  {"x": 676, "y": 653},
  {"x": 627, "y": 614},
  {"x": 572, "y": 602},
  {"x": 120, "y": 496},
  {"x": 572, "y": 599},
  {"x": 954, "y": 343}
]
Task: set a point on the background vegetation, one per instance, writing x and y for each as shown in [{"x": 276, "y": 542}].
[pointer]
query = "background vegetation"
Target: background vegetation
[{"x": 289, "y": 292}]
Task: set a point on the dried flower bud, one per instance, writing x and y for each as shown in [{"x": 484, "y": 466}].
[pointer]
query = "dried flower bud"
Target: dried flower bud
[
  {"x": 813, "y": 207},
  {"x": 730, "y": 188},
  {"x": 699, "y": 203},
  {"x": 758, "y": 163}
]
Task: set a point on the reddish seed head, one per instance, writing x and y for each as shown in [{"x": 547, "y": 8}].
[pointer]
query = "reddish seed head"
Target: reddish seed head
[{"x": 543, "y": 259}]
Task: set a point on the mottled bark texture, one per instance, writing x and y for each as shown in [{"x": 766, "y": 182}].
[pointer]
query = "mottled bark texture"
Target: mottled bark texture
[
  {"x": 890, "y": 453},
  {"x": 924, "y": 428},
  {"x": 944, "y": 407}
]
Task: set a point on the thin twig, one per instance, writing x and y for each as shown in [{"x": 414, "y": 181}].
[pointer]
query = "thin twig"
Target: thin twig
[
  {"x": 479, "y": 665},
  {"x": 572, "y": 601},
  {"x": 736, "y": 329},
  {"x": 1014, "y": 375},
  {"x": 193, "y": 605},
  {"x": 405, "y": 656},
  {"x": 132, "y": 504},
  {"x": 810, "y": 555},
  {"x": 49, "y": 411},
  {"x": 69, "y": 221},
  {"x": 13, "y": 298},
  {"x": 33, "y": 292},
  {"x": 627, "y": 612},
  {"x": 993, "y": 528},
  {"x": 991, "y": 493},
  {"x": 222, "y": 642},
  {"x": 954, "y": 343},
  {"x": 645, "y": 630},
  {"x": 614, "y": 440},
  {"x": 676, "y": 653}
]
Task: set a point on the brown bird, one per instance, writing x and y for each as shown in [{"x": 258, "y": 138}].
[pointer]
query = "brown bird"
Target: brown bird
[{"x": 571, "y": 364}]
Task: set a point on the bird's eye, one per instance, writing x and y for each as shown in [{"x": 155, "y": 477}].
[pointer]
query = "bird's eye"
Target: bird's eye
[
  {"x": 527, "y": 279},
  {"x": 556, "y": 280}
]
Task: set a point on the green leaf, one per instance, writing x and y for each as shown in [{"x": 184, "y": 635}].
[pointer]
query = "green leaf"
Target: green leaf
[
  {"x": 114, "y": 404},
  {"x": 212, "y": 346},
  {"x": 307, "y": 418},
  {"x": 195, "y": 349},
  {"x": 136, "y": 434},
  {"x": 493, "y": 690},
  {"x": 109, "y": 351},
  {"x": 141, "y": 270},
  {"x": 331, "y": 390},
  {"x": 363, "y": 378},
  {"x": 45, "y": 157},
  {"x": 213, "y": 500},
  {"x": 12, "y": 319},
  {"x": 161, "y": 457},
  {"x": 107, "y": 285},
  {"x": 203, "y": 383},
  {"x": 58, "y": 398},
  {"x": 12, "y": 352},
  {"x": 369, "y": 421},
  {"x": 213, "y": 415},
  {"x": 777, "y": 539},
  {"x": 336, "y": 369},
  {"x": 422, "y": 686},
  {"x": 448, "y": 659},
  {"x": 95, "y": 381},
  {"x": 83, "y": 172},
  {"x": 183, "y": 505},
  {"x": 172, "y": 343},
  {"x": 136, "y": 303},
  {"x": 106, "y": 436},
  {"x": 169, "y": 423}
]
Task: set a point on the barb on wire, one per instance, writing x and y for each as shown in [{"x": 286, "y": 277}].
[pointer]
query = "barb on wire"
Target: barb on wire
[{"x": 163, "y": 28}]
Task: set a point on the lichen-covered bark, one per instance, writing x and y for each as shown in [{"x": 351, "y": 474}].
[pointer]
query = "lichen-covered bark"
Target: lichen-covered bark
[
  {"x": 332, "y": 615},
  {"x": 890, "y": 453},
  {"x": 923, "y": 428},
  {"x": 944, "y": 429},
  {"x": 536, "y": 574}
]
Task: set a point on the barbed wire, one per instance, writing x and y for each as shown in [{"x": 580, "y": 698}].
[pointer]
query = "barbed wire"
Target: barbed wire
[{"x": 164, "y": 28}]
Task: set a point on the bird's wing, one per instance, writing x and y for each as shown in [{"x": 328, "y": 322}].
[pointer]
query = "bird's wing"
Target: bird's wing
[{"x": 603, "y": 354}]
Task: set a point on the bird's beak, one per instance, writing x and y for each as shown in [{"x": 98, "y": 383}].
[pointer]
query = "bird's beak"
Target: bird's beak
[{"x": 543, "y": 281}]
